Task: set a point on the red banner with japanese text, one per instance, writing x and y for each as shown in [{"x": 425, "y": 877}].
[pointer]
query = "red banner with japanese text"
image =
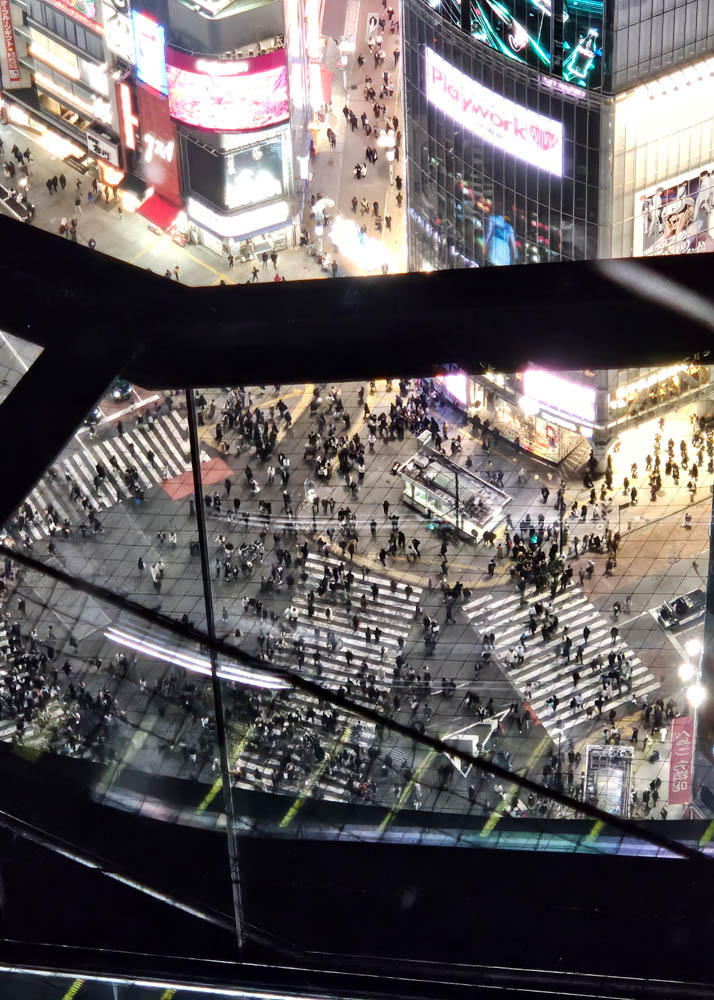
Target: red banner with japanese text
[
  {"x": 10, "y": 63},
  {"x": 680, "y": 763}
]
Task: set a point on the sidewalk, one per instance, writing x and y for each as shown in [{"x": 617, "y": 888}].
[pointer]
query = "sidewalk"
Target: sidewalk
[
  {"x": 333, "y": 170},
  {"x": 128, "y": 237}
]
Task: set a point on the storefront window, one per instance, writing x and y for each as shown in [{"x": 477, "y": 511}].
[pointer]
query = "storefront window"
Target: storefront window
[{"x": 540, "y": 437}]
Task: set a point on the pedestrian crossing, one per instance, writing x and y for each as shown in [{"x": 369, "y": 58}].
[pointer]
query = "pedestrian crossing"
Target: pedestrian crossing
[
  {"x": 543, "y": 668},
  {"x": 167, "y": 439},
  {"x": 329, "y": 631}
]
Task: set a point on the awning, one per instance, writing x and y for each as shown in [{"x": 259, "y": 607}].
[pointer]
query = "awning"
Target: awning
[
  {"x": 326, "y": 81},
  {"x": 159, "y": 211},
  {"x": 333, "y": 18}
]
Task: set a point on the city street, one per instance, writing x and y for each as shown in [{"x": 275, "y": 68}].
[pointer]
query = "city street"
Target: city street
[
  {"x": 127, "y": 237},
  {"x": 318, "y": 575}
]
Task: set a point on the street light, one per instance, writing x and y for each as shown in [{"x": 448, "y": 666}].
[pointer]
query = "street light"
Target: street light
[
  {"x": 693, "y": 647},
  {"x": 686, "y": 671},
  {"x": 696, "y": 694}
]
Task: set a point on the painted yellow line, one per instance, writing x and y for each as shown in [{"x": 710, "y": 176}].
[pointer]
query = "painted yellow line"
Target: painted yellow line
[
  {"x": 314, "y": 778},
  {"x": 407, "y": 790},
  {"x": 147, "y": 248},
  {"x": 708, "y": 833},
  {"x": 596, "y": 830},
  {"x": 498, "y": 812},
  {"x": 218, "y": 783},
  {"x": 202, "y": 263},
  {"x": 74, "y": 989}
]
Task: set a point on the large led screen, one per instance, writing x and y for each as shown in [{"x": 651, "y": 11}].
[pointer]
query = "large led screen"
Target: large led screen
[
  {"x": 235, "y": 96},
  {"x": 519, "y": 131},
  {"x": 522, "y": 31},
  {"x": 677, "y": 215},
  {"x": 149, "y": 51}
]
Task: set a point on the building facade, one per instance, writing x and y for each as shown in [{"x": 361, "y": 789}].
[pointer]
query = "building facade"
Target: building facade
[
  {"x": 540, "y": 132},
  {"x": 552, "y": 414},
  {"x": 196, "y": 114}
]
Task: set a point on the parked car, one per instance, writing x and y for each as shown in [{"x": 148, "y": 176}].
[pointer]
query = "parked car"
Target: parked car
[{"x": 682, "y": 610}]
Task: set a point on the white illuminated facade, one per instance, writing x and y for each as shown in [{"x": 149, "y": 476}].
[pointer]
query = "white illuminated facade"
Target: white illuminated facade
[
  {"x": 241, "y": 225},
  {"x": 663, "y": 165}
]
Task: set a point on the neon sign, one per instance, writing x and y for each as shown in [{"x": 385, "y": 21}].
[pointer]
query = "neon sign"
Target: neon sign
[
  {"x": 164, "y": 150},
  {"x": 129, "y": 120},
  {"x": 519, "y": 131}
]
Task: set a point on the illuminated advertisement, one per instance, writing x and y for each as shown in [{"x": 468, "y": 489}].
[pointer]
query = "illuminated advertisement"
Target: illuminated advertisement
[
  {"x": 118, "y": 33},
  {"x": 676, "y": 216},
  {"x": 457, "y": 385},
  {"x": 519, "y": 131},
  {"x": 9, "y": 62},
  {"x": 521, "y": 30},
  {"x": 149, "y": 51},
  {"x": 237, "y": 178},
  {"x": 235, "y": 96},
  {"x": 558, "y": 395}
]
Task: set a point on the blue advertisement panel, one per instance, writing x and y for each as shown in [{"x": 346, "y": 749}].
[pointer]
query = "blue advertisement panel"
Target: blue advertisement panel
[{"x": 150, "y": 51}]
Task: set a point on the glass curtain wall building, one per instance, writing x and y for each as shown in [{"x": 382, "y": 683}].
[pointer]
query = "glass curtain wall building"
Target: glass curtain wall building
[{"x": 539, "y": 132}]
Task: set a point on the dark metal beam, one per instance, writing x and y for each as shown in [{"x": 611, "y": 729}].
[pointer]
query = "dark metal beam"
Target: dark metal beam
[{"x": 228, "y": 804}]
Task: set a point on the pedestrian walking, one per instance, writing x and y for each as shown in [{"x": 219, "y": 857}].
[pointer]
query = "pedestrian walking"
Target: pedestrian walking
[
  {"x": 176, "y": 273},
  {"x": 388, "y": 222},
  {"x": 255, "y": 274},
  {"x": 274, "y": 259}
]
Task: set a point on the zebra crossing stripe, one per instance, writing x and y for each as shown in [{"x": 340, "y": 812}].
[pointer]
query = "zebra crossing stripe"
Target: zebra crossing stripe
[{"x": 544, "y": 668}]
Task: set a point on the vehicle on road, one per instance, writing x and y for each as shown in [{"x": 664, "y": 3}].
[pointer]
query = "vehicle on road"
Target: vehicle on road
[
  {"x": 682, "y": 610},
  {"x": 121, "y": 390}
]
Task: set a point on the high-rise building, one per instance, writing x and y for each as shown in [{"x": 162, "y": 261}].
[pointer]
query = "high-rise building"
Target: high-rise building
[{"x": 541, "y": 131}]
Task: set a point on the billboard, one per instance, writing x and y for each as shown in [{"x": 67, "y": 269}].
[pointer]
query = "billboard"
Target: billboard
[
  {"x": 680, "y": 761},
  {"x": 522, "y": 30},
  {"x": 228, "y": 96},
  {"x": 676, "y": 216},
  {"x": 559, "y": 395},
  {"x": 9, "y": 62},
  {"x": 149, "y": 51},
  {"x": 522, "y": 133}
]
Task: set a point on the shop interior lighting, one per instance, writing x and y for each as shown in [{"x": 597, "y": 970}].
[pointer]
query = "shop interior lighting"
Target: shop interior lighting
[
  {"x": 191, "y": 662},
  {"x": 44, "y": 55},
  {"x": 99, "y": 109}
]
